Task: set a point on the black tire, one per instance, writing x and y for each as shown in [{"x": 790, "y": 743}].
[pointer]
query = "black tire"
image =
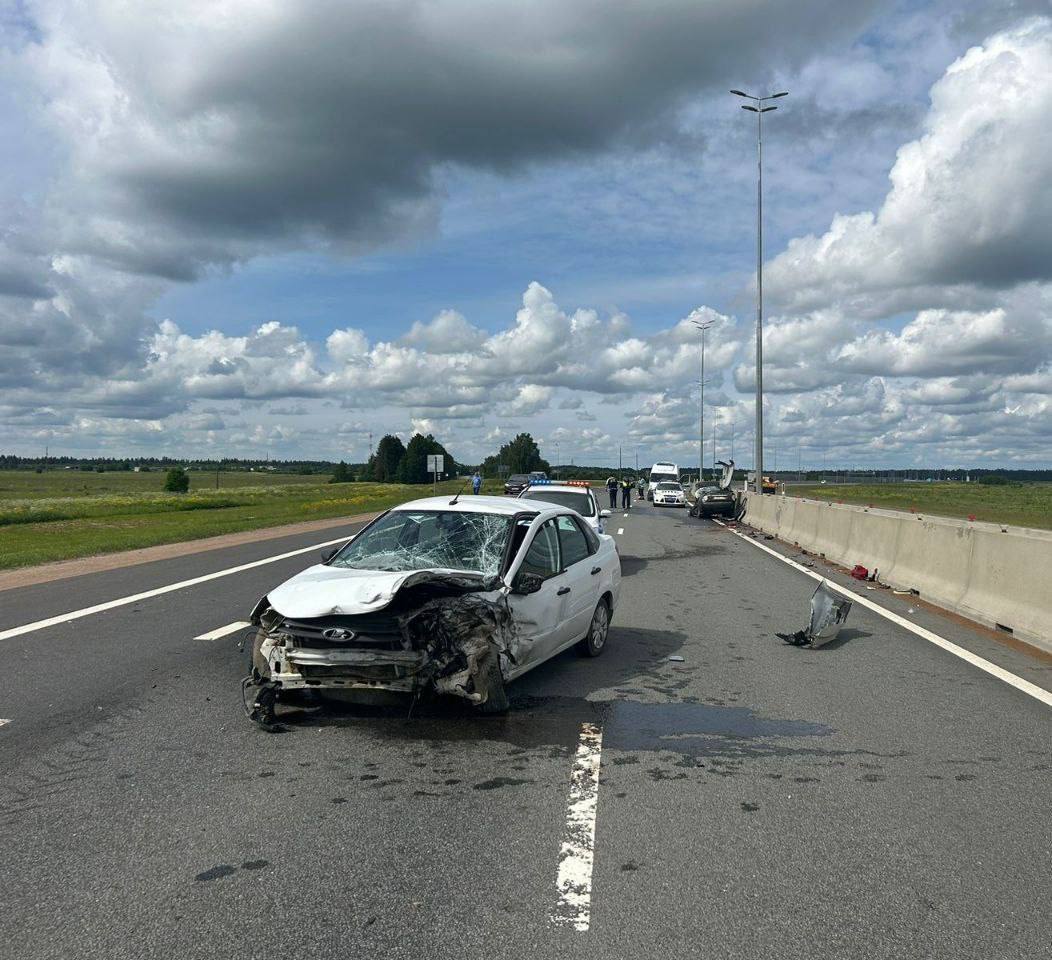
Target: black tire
[
  {"x": 496, "y": 702},
  {"x": 594, "y": 642}
]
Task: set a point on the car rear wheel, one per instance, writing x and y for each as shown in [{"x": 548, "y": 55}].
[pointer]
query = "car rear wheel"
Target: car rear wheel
[{"x": 594, "y": 642}]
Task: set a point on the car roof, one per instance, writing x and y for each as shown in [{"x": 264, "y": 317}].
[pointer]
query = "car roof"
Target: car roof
[
  {"x": 471, "y": 504},
  {"x": 561, "y": 487}
]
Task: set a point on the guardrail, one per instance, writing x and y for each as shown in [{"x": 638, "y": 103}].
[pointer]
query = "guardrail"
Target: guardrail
[{"x": 996, "y": 575}]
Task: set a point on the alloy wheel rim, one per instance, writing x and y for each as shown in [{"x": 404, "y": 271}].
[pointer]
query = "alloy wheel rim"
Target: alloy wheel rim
[{"x": 599, "y": 627}]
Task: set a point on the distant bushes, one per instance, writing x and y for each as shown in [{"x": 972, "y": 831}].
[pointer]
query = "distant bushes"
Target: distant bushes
[
  {"x": 342, "y": 474},
  {"x": 176, "y": 480}
]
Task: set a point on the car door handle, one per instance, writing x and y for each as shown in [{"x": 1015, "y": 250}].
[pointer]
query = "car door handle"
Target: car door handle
[
  {"x": 562, "y": 591},
  {"x": 596, "y": 570}
]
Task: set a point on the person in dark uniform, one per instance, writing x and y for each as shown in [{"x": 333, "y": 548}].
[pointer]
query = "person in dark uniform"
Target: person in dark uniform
[
  {"x": 626, "y": 494},
  {"x": 611, "y": 488}
]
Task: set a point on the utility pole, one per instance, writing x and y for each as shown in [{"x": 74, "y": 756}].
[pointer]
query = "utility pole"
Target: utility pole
[
  {"x": 701, "y": 405},
  {"x": 759, "y": 110}
]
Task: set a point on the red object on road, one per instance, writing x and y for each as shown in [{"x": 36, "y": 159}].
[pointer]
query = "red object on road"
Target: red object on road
[
  {"x": 971, "y": 516},
  {"x": 859, "y": 572}
]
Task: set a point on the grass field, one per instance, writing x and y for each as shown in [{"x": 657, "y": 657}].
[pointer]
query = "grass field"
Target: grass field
[
  {"x": 27, "y": 485},
  {"x": 1022, "y": 505},
  {"x": 49, "y": 516}
]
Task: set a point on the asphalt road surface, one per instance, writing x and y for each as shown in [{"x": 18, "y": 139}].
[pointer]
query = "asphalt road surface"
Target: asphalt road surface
[{"x": 879, "y": 797}]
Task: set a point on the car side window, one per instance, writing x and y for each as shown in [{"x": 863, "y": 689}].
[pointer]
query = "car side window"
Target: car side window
[
  {"x": 572, "y": 540},
  {"x": 590, "y": 536},
  {"x": 543, "y": 557}
]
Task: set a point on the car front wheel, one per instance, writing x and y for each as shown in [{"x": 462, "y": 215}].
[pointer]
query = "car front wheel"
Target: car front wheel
[{"x": 595, "y": 641}]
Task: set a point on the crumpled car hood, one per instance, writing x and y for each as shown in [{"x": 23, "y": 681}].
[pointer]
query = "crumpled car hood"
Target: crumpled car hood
[{"x": 322, "y": 590}]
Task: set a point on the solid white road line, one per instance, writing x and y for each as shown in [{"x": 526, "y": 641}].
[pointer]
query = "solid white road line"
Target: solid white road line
[
  {"x": 1030, "y": 689},
  {"x": 223, "y": 631},
  {"x": 171, "y": 587},
  {"x": 574, "y": 880},
  {"x": 620, "y": 530}
]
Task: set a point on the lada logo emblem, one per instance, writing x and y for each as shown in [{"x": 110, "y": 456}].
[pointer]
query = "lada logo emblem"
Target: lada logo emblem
[{"x": 338, "y": 633}]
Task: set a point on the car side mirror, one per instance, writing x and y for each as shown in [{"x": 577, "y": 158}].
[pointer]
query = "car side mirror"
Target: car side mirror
[
  {"x": 604, "y": 514},
  {"x": 329, "y": 554},
  {"x": 527, "y": 583}
]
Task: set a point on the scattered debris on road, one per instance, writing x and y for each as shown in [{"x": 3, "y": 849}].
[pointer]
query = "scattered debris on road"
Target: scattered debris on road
[
  {"x": 675, "y": 659},
  {"x": 828, "y": 613},
  {"x": 860, "y": 572}
]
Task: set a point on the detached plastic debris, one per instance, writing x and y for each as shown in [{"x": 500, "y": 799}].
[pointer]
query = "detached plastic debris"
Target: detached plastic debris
[
  {"x": 828, "y": 614},
  {"x": 860, "y": 572},
  {"x": 675, "y": 659}
]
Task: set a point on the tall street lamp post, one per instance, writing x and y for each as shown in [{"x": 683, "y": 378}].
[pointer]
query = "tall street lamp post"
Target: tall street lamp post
[
  {"x": 759, "y": 109},
  {"x": 701, "y": 413}
]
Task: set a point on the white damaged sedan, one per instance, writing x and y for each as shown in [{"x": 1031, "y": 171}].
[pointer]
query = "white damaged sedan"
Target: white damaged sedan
[{"x": 456, "y": 595}]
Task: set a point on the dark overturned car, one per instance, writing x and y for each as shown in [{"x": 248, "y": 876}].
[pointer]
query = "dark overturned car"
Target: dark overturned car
[
  {"x": 708, "y": 499},
  {"x": 453, "y": 596}
]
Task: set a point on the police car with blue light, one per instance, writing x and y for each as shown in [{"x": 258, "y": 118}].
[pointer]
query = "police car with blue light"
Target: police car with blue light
[{"x": 575, "y": 494}]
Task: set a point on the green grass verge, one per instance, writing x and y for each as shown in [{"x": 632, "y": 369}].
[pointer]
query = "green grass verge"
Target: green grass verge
[
  {"x": 1022, "y": 505},
  {"x": 29, "y": 485},
  {"x": 43, "y": 526}
]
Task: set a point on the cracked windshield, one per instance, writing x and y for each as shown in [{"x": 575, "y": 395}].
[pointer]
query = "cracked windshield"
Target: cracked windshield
[{"x": 428, "y": 539}]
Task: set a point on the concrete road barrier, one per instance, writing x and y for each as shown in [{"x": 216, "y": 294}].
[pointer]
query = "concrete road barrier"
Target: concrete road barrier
[{"x": 996, "y": 575}]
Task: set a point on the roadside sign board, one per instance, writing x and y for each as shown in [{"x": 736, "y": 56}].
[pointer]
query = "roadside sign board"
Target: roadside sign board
[{"x": 436, "y": 463}]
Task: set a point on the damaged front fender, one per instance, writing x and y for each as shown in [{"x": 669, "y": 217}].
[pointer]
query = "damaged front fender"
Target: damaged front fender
[{"x": 441, "y": 630}]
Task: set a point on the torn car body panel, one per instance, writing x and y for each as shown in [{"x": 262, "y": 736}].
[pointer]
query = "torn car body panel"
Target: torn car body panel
[{"x": 829, "y": 612}]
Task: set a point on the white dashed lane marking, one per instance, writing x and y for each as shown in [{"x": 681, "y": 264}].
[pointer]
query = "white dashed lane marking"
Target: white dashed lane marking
[
  {"x": 146, "y": 594},
  {"x": 223, "y": 631},
  {"x": 574, "y": 880}
]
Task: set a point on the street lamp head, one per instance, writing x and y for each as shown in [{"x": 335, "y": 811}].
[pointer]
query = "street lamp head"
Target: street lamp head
[
  {"x": 768, "y": 109},
  {"x": 750, "y": 109},
  {"x": 784, "y": 93},
  {"x": 742, "y": 93}
]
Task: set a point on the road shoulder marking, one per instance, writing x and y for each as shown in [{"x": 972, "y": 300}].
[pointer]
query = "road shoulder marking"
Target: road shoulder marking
[
  {"x": 158, "y": 591},
  {"x": 574, "y": 880},
  {"x": 1024, "y": 686},
  {"x": 224, "y": 631}
]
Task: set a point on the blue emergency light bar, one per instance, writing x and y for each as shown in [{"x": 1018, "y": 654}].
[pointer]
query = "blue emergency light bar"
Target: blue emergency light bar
[{"x": 561, "y": 483}]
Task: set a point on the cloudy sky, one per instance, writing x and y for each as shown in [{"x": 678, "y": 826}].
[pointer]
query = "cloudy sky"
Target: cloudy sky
[{"x": 241, "y": 227}]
